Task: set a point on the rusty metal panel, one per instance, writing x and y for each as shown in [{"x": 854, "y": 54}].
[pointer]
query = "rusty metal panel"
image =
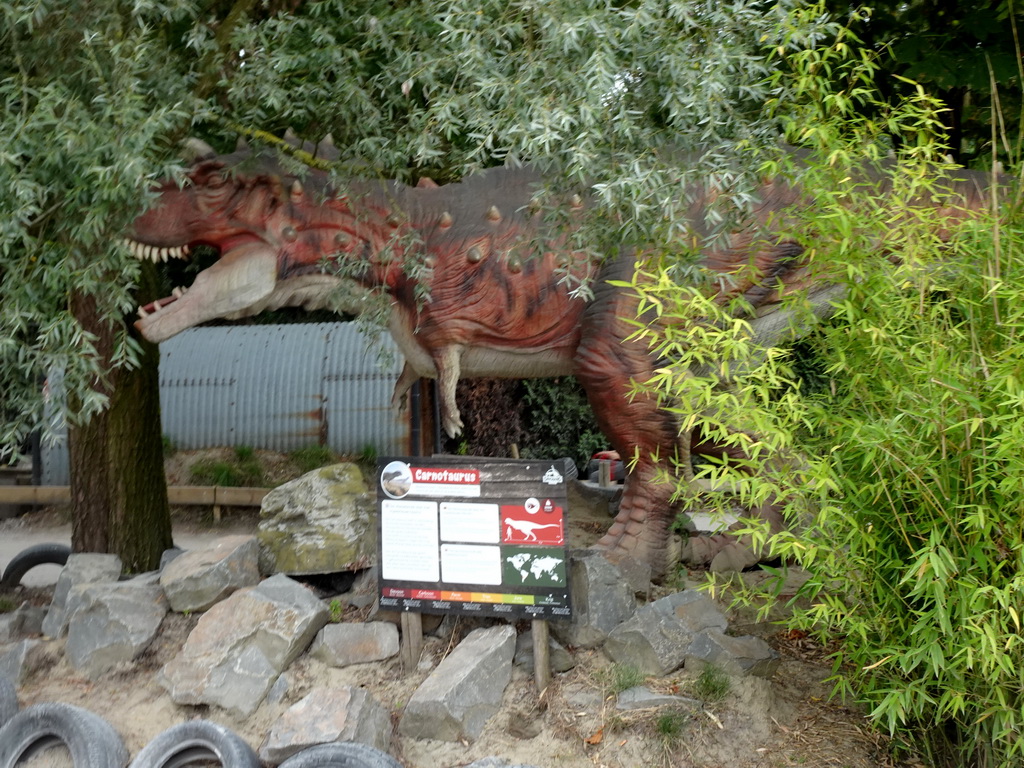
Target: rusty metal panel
[
  {"x": 274, "y": 387},
  {"x": 280, "y": 387}
]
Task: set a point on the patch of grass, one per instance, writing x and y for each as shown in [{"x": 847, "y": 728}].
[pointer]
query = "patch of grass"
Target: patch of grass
[
  {"x": 368, "y": 456},
  {"x": 7, "y": 605},
  {"x": 245, "y": 453},
  {"x": 622, "y": 677},
  {"x": 312, "y": 457},
  {"x": 670, "y": 725},
  {"x": 336, "y": 610},
  {"x": 168, "y": 445},
  {"x": 712, "y": 684},
  {"x": 244, "y": 473}
]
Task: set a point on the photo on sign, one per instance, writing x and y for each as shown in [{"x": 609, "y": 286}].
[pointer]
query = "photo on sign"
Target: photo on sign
[
  {"x": 533, "y": 567},
  {"x": 396, "y": 479}
]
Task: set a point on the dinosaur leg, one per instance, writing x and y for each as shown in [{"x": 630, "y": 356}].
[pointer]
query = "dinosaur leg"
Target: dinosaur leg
[
  {"x": 727, "y": 551},
  {"x": 607, "y": 366},
  {"x": 448, "y": 363},
  {"x": 408, "y": 377}
]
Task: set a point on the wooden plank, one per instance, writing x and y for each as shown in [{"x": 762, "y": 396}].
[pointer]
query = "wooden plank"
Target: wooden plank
[
  {"x": 412, "y": 639},
  {"x": 541, "y": 654},
  {"x": 239, "y": 497},
  {"x": 202, "y": 495},
  {"x": 35, "y": 494}
]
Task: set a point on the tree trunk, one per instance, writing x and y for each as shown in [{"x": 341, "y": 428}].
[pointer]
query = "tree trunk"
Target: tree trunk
[{"x": 118, "y": 488}]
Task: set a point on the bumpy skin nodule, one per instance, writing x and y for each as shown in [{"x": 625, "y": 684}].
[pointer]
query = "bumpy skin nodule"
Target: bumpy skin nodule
[{"x": 477, "y": 290}]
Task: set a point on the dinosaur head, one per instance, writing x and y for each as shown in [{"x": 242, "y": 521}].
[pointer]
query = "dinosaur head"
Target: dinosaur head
[{"x": 273, "y": 231}]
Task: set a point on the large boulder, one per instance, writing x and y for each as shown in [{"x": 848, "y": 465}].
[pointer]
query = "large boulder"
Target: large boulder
[
  {"x": 241, "y": 645},
  {"x": 322, "y": 522},
  {"x": 200, "y": 578},
  {"x": 113, "y": 623},
  {"x": 328, "y": 715},
  {"x": 465, "y": 690}
]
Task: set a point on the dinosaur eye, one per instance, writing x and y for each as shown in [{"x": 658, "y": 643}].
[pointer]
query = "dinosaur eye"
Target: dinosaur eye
[
  {"x": 343, "y": 239},
  {"x": 289, "y": 234}
]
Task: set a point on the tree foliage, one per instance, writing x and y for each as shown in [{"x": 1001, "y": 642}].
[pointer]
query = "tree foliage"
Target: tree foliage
[
  {"x": 88, "y": 122},
  {"x": 901, "y": 476}
]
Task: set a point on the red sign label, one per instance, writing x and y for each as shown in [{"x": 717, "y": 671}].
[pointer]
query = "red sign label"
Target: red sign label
[{"x": 447, "y": 476}]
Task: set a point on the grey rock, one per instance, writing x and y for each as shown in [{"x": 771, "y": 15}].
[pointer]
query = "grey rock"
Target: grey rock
[
  {"x": 694, "y": 609},
  {"x": 561, "y": 659},
  {"x": 110, "y": 624},
  {"x": 322, "y": 522},
  {"x": 657, "y": 637},
  {"x": 198, "y": 578},
  {"x": 242, "y": 644},
  {"x": 642, "y": 697},
  {"x": 326, "y": 715},
  {"x": 340, "y": 645},
  {"x": 464, "y": 691},
  {"x": 747, "y": 655},
  {"x": 651, "y": 640},
  {"x": 601, "y": 600},
  {"x": 79, "y": 569},
  {"x": 21, "y": 659},
  {"x": 23, "y": 621}
]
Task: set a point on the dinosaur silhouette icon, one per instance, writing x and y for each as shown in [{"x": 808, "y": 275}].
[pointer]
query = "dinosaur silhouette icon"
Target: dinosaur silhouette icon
[{"x": 526, "y": 528}]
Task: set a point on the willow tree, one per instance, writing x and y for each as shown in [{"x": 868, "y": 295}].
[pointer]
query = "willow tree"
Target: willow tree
[{"x": 93, "y": 97}]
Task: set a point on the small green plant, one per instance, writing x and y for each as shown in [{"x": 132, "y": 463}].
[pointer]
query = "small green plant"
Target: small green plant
[
  {"x": 368, "y": 456},
  {"x": 335, "y": 610},
  {"x": 670, "y": 724},
  {"x": 312, "y": 457},
  {"x": 245, "y": 453},
  {"x": 622, "y": 677},
  {"x": 7, "y": 605},
  {"x": 168, "y": 445},
  {"x": 712, "y": 684}
]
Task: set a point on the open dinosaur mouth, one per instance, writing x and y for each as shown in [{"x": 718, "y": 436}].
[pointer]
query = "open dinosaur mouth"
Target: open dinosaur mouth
[
  {"x": 158, "y": 254},
  {"x": 242, "y": 276}
]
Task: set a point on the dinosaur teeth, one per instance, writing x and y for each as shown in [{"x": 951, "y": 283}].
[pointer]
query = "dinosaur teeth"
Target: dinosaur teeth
[
  {"x": 155, "y": 253},
  {"x": 178, "y": 292},
  {"x": 143, "y": 312}
]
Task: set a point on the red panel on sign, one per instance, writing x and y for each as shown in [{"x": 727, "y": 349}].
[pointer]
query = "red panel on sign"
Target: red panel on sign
[{"x": 534, "y": 523}]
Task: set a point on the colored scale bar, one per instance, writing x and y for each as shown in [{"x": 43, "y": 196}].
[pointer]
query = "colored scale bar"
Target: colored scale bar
[{"x": 460, "y": 597}]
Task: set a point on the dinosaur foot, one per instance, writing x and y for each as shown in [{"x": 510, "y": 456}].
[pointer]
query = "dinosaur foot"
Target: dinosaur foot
[
  {"x": 720, "y": 553},
  {"x": 633, "y": 554}
]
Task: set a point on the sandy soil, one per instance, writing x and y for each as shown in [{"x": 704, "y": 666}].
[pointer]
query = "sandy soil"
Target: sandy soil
[{"x": 786, "y": 721}]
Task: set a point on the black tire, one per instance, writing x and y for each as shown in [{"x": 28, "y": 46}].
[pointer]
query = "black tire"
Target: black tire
[
  {"x": 348, "y": 754},
  {"x": 27, "y": 559},
  {"x": 196, "y": 741},
  {"x": 8, "y": 700},
  {"x": 91, "y": 740}
]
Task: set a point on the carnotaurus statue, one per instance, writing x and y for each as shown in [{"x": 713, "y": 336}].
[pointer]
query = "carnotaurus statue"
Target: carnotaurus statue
[{"x": 489, "y": 309}]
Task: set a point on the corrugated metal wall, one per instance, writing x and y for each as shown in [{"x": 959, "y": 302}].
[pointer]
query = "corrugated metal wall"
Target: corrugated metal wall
[{"x": 274, "y": 387}]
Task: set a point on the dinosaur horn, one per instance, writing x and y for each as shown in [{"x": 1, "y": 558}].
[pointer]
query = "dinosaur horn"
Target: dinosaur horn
[
  {"x": 197, "y": 149},
  {"x": 327, "y": 150},
  {"x": 292, "y": 138},
  {"x": 241, "y": 145}
]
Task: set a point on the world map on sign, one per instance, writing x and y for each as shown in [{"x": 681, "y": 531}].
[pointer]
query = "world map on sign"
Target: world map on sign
[{"x": 536, "y": 568}]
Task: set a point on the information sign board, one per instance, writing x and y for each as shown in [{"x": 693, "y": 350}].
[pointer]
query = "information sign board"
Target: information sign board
[{"x": 475, "y": 536}]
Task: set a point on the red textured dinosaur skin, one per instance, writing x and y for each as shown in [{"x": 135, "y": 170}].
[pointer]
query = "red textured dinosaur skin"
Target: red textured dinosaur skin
[{"x": 491, "y": 309}]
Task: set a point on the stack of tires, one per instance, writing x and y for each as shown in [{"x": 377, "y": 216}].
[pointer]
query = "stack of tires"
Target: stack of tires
[{"x": 93, "y": 743}]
